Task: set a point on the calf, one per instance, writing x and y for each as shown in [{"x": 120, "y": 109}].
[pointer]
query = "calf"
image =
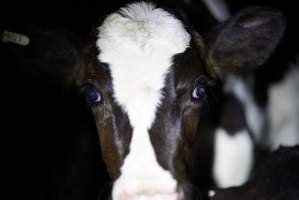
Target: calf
[
  {"x": 268, "y": 106},
  {"x": 150, "y": 81}
]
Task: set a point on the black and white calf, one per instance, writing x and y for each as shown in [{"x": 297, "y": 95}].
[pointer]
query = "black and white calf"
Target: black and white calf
[
  {"x": 150, "y": 81},
  {"x": 264, "y": 115},
  {"x": 247, "y": 126}
]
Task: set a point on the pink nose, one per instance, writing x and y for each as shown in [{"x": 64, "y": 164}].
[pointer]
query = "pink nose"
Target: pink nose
[{"x": 170, "y": 196}]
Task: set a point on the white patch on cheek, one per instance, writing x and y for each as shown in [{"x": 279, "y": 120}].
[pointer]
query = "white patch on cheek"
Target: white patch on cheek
[{"x": 233, "y": 158}]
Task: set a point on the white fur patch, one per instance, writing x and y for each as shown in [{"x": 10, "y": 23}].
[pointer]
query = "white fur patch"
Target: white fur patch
[
  {"x": 283, "y": 111},
  {"x": 211, "y": 193},
  {"x": 233, "y": 158},
  {"x": 255, "y": 117},
  {"x": 139, "y": 50},
  {"x": 138, "y": 46},
  {"x": 141, "y": 175}
]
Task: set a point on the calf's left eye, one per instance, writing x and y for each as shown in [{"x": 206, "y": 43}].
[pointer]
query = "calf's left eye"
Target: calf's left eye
[{"x": 199, "y": 91}]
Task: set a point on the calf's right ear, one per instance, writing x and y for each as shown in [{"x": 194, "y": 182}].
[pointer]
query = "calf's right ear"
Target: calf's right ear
[{"x": 245, "y": 41}]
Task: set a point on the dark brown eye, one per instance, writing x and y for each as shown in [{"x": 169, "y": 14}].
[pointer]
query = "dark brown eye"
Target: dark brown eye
[
  {"x": 93, "y": 96},
  {"x": 199, "y": 91}
]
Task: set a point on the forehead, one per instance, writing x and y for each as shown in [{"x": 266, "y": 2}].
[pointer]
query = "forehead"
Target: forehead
[
  {"x": 138, "y": 44},
  {"x": 140, "y": 29}
]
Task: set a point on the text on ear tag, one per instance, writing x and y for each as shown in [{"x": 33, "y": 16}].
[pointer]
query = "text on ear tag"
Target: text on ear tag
[{"x": 15, "y": 38}]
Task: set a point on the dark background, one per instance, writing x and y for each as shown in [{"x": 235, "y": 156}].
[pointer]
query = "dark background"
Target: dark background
[{"x": 50, "y": 145}]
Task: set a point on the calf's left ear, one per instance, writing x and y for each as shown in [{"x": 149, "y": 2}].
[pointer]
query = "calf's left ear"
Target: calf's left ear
[{"x": 245, "y": 41}]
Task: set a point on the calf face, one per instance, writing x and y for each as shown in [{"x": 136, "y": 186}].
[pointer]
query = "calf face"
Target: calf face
[{"x": 148, "y": 79}]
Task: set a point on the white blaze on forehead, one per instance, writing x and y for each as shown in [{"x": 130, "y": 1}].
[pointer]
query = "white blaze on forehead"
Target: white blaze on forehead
[
  {"x": 138, "y": 46},
  {"x": 139, "y": 49}
]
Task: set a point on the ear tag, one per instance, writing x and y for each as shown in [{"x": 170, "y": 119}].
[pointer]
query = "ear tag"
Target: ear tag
[{"x": 15, "y": 38}]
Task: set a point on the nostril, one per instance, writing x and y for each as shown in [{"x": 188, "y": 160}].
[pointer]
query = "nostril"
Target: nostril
[{"x": 169, "y": 196}]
